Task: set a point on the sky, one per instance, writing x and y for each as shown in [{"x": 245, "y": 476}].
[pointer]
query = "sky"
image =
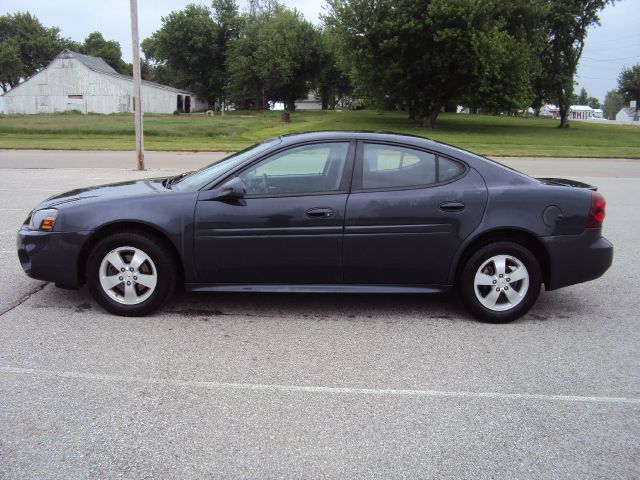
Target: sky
[{"x": 608, "y": 48}]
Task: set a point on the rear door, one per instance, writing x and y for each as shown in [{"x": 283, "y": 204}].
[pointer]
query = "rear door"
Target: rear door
[
  {"x": 288, "y": 228},
  {"x": 408, "y": 213}
]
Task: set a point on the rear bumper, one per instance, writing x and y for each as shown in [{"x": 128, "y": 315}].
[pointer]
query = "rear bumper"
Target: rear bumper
[
  {"x": 51, "y": 256},
  {"x": 577, "y": 258}
]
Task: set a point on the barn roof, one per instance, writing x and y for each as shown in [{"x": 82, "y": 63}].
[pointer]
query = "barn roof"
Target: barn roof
[
  {"x": 581, "y": 108},
  {"x": 628, "y": 111},
  {"x": 98, "y": 65}
]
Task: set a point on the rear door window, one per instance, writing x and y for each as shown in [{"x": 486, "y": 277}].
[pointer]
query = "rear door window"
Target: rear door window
[{"x": 391, "y": 166}]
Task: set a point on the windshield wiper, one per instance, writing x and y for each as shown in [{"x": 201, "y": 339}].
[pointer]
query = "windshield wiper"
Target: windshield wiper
[{"x": 171, "y": 180}]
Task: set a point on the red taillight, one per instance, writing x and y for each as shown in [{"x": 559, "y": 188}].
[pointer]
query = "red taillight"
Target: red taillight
[{"x": 597, "y": 212}]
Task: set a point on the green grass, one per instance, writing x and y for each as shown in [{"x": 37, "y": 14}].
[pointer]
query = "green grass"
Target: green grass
[{"x": 488, "y": 135}]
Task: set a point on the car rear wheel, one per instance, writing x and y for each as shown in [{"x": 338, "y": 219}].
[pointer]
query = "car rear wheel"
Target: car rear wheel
[
  {"x": 500, "y": 282},
  {"x": 131, "y": 274}
]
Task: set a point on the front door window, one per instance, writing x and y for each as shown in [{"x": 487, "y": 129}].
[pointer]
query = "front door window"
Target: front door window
[{"x": 307, "y": 169}]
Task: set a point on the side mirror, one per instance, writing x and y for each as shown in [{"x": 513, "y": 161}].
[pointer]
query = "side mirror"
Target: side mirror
[{"x": 230, "y": 190}]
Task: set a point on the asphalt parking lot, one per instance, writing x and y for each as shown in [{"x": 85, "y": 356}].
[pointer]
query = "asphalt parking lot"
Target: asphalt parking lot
[{"x": 316, "y": 386}]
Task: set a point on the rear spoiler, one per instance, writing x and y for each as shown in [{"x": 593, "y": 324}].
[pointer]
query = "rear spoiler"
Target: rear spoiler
[{"x": 563, "y": 182}]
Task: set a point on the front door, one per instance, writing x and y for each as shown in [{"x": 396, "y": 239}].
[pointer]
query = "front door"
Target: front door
[
  {"x": 287, "y": 229},
  {"x": 407, "y": 215}
]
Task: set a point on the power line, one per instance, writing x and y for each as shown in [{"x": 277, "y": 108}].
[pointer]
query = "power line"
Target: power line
[
  {"x": 611, "y": 59},
  {"x": 613, "y": 40},
  {"x": 595, "y": 78}
]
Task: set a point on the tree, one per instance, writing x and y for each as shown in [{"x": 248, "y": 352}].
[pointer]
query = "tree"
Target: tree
[
  {"x": 613, "y": 102},
  {"x": 10, "y": 64},
  {"x": 23, "y": 37},
  {"x": 425, "y": 54},
  {"x": 583, "y": 98},
  {"x": 190, "y": 49},
  {"x": 276, "y": 58},
  {"x": 593, "y": 102},
  {"x": 332, "y": 82},
  {"x": 566, "y": 30},
  {"x": 69, "y": 44},
  {"x": 629, "y": 86},
  {"x": 109, "y": 50},
  {"x": 509, "y": 65}
]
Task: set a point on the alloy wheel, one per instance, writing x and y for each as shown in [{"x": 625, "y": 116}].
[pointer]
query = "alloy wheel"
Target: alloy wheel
[
  {"x": 501, "y": 282},
  {"x": 128, "y": 275}
]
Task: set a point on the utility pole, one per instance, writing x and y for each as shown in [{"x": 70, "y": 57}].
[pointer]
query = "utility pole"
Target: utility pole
[{"x": 137, "y": 89}]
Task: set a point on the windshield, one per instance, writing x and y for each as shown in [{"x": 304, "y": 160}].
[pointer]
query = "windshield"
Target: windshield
[{"x": 205, "y": 175}]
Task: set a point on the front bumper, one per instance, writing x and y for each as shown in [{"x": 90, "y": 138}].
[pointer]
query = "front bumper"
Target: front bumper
[
  {"x": 577, "y": 258},
  {"x": 51, "y": 256}
]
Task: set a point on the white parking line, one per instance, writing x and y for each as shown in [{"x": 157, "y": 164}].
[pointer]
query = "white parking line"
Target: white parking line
[{"x": 322, "y": 390}]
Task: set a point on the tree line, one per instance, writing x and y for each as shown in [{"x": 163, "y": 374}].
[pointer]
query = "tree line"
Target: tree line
[{"x": 420, "y": 56}]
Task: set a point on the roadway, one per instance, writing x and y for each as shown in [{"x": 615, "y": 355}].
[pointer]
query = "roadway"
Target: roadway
[{"x": 316, "y": 386}]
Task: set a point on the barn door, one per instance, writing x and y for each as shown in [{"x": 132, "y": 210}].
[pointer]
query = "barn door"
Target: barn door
[
  {"x": 123, "y": 103},
  {"x": 77, "y": 102},
  {"x": 43, "y": 104}
]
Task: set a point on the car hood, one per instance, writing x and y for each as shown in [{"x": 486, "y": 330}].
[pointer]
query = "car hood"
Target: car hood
[{"x": 113, "y": 190}]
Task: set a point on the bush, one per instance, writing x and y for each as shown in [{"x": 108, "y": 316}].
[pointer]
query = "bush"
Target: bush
[{"x": 69, "y": 112}]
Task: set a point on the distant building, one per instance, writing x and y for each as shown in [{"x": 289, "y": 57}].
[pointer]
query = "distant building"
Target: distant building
[
  {"x": 73, "y": 81},
  {"x": 598, "y": 113},
  {"x": 580, "y": 112},
  {"x": 549, "y": 110},
  {"x": 628, "y": 114},
  {"x": 576, "y": 112}
]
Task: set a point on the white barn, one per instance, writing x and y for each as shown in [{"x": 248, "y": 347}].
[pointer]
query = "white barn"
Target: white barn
[
  {"x": 629, "y": 114},
  {"x": 73, "y": 81},
  {"x": 549, "y": 110}
]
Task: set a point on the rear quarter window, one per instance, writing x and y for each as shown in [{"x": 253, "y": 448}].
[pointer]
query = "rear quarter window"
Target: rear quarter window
[{"x": 448, "y": 169}]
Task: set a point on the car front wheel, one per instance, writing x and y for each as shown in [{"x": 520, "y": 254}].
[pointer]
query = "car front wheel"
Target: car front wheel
[
  {"x": 500, "y": 282},
  {"x": 130, "y": 274}
]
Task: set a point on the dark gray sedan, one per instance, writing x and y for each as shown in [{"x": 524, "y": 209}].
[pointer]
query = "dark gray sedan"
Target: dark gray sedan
[{"x": 332, "y": 212}]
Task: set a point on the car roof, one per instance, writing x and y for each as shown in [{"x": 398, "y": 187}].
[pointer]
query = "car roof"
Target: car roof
[
  {"x": 401, "y": 138},
  {"x": 479, "y": 162},
  {"x": 356, "y": 134}
]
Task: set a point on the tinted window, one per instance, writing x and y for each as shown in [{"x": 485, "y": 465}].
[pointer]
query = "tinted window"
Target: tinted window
[
  {"x": 209, "y": 173},
  {"x": 386, "y": 166},
  {"x": 448, "y": 169},
  {"x": 305, "y": 169}
]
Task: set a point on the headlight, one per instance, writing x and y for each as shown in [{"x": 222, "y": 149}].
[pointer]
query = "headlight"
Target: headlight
[{"x": 43, "y": 219}]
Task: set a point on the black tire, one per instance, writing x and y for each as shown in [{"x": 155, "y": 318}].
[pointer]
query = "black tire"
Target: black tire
[
  {"x": 163, "y": 260},
  {"x": 466, "y": 282}
]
